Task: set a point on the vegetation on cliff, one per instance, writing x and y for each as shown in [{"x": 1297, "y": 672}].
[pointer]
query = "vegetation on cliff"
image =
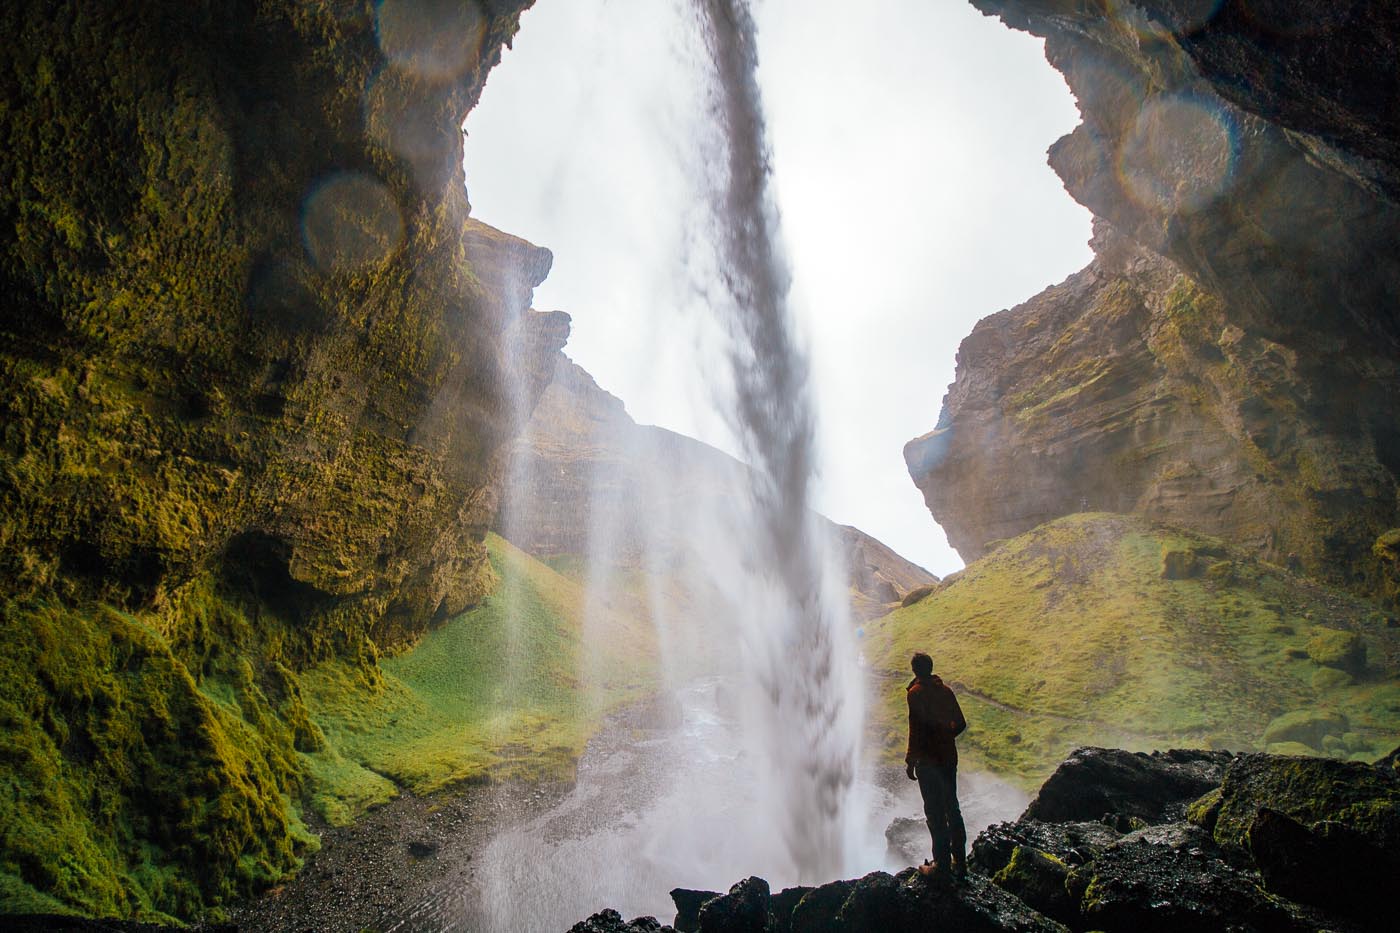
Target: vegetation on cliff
[{"x": 1114, "y": 630}]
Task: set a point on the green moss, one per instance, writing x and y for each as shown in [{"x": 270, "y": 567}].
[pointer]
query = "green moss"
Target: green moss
[
  {"x": 1069, "y": 635},
  {"x": 1310, "y": 790},
  {"x": 1204, "y": 810},
  {"x": 1332, "y": 648},
  {"x": 508, "y": 689},
  {"x": 1038, "y": 878},
  {"x": 123, "y": 774}
]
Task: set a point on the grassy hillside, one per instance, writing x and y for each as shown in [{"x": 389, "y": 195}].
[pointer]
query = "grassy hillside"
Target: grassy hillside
[
  {"x": 159, "y": 775},
  {"x": 508, "y": 689},
  {"x": 1110, "y": 629}
]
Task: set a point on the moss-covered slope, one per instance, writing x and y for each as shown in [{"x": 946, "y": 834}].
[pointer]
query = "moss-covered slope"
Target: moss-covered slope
[
  {"x": 1113, "y": 630},
  {"x": 510, "y": 689},
  {"x": 257, "y": 367}
]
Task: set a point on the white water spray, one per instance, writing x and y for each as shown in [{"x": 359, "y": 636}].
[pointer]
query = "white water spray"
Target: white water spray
[{"x": 799, "y": 650}]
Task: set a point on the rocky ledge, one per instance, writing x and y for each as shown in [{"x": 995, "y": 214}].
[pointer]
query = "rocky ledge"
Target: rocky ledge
[{"x": 1116, "y": 840}]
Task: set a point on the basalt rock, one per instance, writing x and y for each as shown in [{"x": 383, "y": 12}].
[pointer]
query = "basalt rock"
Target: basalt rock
[
  {"x": 1155, "y": 788},
  {"x": 1228, "y": 362},
  {"x": 610, "y": 921}
]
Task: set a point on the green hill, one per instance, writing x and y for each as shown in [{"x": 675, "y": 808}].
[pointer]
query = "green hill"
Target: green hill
[
  {"x": 507, "y": 689},
  {"x": 1114, "y": 630}
]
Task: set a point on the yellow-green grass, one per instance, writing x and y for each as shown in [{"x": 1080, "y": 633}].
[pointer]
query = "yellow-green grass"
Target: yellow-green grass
[
  {"x": 510, "y": 689},
  {"x": 1073, "y": 634}
]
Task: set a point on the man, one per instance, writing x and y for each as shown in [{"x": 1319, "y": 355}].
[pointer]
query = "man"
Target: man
[{"x": 935, "y": 720}]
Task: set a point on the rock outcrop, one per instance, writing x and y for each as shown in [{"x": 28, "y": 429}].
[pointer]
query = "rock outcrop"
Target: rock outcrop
[
  {"x": 1230, "y": 361},
  {"x": 585, "y": 480},
  {"x": 1118, "y": 841},
  {"x": 254, "y": 399}
]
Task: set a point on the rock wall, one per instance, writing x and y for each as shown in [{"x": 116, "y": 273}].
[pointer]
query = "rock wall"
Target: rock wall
[
  {"x": 586, "y": 479},
  {"x": 1231, "y": 359},
  {"x": 254, "y": 399}
]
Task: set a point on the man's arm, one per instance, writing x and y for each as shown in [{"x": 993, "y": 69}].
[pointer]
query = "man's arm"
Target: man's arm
[
  {"x": 959, "y": 721},
  {"x": 909, "y": 750}
]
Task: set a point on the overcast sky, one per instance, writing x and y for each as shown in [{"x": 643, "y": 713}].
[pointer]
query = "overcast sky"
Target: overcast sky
[{"x": 909, "y": 142}]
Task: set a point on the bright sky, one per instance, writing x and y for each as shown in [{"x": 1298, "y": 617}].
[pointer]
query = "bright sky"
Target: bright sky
[{"x": 909, "y": 155}]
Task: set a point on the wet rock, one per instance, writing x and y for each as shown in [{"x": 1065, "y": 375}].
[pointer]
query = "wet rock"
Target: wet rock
[
  {"x": 610, "y": 921},
  {"x": 743, "y": 910},
  {"x": 688, "y": 903},
  {"x": 910, "y": 901},
  {"x": 782, "y": 905},
  {"x": 907, "y": 839},
  {"x": 1148, "y": 885},
  {"x": 1038, "y": 878},
  {"x": 1071, "y": 843},
  {"x": 1155, "y": 788},
  {"x": 1309, "y": 790},
  {"x": 816, "y": 911}
]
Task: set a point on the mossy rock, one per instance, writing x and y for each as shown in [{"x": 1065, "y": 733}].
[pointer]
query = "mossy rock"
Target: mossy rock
[
  {"x": 919, "y": 593},
  {"x": 1290, "y": 748},
  {"x": 1309, "y": 790},
  {"x": 1333, "y": 648},
  {"x": 1179, "y": 564},
  {"x": 1305, "y": 726},
  {"x": 1038, "y": 878},
  {"x": 1204, "y": 810},
  {"x": 1330, "y": 678}
]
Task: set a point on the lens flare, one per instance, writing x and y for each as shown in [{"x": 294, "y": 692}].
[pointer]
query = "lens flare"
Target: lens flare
[
  {"x": 435, "y": 40},
  {"x": 1180, "y": 154},
  {"x": 350, "y": 220}
]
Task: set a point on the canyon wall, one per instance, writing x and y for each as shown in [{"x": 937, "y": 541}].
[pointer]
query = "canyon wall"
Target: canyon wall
[
  {"x": 585, "y": 479},
  {"x": 1230, "y": 361},
  {"x": 254, "y": 396}
]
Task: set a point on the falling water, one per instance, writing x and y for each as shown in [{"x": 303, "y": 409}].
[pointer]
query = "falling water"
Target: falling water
[{"x": 799, "y": 650}]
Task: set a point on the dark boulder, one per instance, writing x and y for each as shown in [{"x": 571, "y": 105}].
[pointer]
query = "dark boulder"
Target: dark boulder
[
  {"x": 782, "y": 905},
  {"x": 908, "y": 840},
  {"x": 1153, "y": 788},
  {"x": 688, "y": 903},
  {"x": 1170, "y": 878},
  {"x": 1330, "y": 866},
  {"x": 1071, "y": 843},
  {"x": 1038, "y": 878},
  {"x": 816, "y": 911},
  {"x": 743, "y": 910},
  {"x": 1309, "y": 790},
  {"x": 610, "y": 921}
]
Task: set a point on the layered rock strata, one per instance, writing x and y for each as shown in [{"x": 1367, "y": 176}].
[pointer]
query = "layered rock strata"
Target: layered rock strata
[
  {"x": 1230, "y": 361},
  {"x": 586, "y": 481}
]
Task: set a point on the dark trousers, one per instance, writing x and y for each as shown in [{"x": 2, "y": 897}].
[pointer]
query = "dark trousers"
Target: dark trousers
[{"x": 939, "y": 786}]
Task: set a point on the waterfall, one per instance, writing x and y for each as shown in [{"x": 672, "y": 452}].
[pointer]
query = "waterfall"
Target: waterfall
[{"x": 805, "y": 715}]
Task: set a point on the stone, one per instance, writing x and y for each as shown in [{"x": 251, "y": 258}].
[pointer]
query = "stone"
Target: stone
[
  {"x": 610, "y": 921},
  {"x": 1201, "y": 371},
  {"x": 1307, "y": 726},
  {"x": 743, "y": 910},
  {"x": 1038, "y": 878},
  {"x": 688, "y": 903},
  {"x": 1333, "y": 648},
  {"x": 1152, "y": 787}
]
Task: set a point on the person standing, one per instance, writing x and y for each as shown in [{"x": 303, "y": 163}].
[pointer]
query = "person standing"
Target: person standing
[{"x": 935, "y": 721}]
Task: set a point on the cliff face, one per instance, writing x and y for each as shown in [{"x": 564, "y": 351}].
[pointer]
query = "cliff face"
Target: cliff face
[
  {"x": 585, "y": 479},
  {"x": 1229, "y": 359},
  {"x": 253, "y": 403}
]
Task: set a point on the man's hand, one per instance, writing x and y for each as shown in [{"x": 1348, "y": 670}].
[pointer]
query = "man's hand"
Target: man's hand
[{"x": 909, "y": 770}]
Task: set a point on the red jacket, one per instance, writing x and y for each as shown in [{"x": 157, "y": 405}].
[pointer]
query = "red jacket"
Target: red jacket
[{"x": 935, "y": 719}]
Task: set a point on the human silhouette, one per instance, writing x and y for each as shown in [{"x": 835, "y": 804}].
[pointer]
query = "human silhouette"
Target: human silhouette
[{"x": 935, "y": 721}]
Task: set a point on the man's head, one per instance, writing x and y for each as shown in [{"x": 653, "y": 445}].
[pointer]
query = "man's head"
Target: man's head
[{"x": 922, "y": 664}]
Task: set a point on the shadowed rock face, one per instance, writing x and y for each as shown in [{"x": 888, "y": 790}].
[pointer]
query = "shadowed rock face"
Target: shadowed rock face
[
  {"x": 250, "y": 327},
  {"x": 1229, "y": 360}
]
